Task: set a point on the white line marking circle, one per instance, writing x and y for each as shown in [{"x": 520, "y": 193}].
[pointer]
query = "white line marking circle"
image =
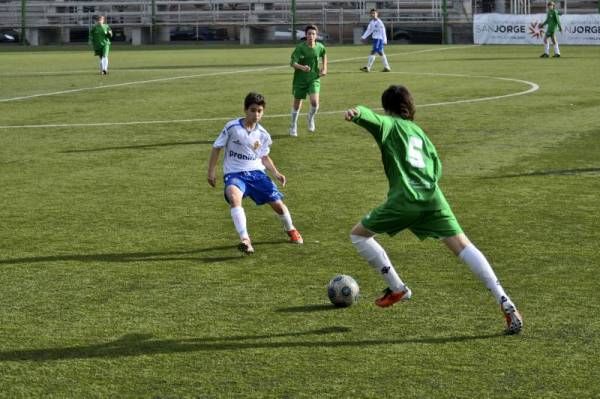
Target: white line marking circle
[{"x": 532, "y": 88}]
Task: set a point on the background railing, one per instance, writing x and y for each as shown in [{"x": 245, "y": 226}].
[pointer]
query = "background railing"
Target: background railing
[{"x": 48, "y": 14}]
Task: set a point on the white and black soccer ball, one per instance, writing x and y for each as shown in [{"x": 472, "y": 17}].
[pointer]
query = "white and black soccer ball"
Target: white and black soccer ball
[{"x": 343, "y": 291}]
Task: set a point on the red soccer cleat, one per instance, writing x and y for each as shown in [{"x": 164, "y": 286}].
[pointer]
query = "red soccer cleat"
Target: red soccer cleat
[
  {"x": 390, "y": 297},
  {"x": 295, "y": 237}
]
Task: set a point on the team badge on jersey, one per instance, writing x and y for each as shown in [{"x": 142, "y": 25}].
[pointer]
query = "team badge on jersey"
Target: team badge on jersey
[{"x": 256, "y": 145}]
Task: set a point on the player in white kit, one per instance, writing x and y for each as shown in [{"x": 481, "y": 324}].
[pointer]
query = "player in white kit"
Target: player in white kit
[
  {"x": 376, "y": 30},
  {"x": 247, "y": 145}
]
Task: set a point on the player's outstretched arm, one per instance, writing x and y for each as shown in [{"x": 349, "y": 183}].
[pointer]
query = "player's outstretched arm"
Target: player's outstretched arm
[
  {"x": 350, "y": 114},
  {"x": 268, "y": 162},
  {"x": 212, "y": 165}
]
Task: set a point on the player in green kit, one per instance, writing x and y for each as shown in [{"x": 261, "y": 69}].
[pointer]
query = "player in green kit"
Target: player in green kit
[
  {"x": 553, "y": 22},
  {"x": 415, "y": 201},
  {"x": 307, "y": 74},
  {"x": 100, "y": 35}
]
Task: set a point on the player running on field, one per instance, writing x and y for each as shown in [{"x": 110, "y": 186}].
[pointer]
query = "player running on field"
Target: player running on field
[
  {"x": 553, "y": 22},
  {"x": 415, "y": 201},
  {"x": 100, "y": 36},
  {"x": 376, "y": 28},
  {"x": 307, "y": 76},
  {"x": 247, "y": 145}
]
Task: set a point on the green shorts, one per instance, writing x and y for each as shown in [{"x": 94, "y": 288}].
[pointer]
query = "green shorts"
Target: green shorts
[
  {"x": 102, "y": 51},
  {"x": 301, "y": 89},
  {"x": 439, "y": 223}
]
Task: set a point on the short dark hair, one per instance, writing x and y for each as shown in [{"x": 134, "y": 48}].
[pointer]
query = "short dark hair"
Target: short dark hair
[
  {"x": 254, "y": 98},
  {"x": 397, "y": 100},
  {"x": 373, "y": 9},
  {"x": 309, "y": 27}
]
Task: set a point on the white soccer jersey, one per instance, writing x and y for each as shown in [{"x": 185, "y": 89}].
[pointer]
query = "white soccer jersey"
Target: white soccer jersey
[
  {"x": 243, "y": 149},
  {"x": 377, "y": 28}
]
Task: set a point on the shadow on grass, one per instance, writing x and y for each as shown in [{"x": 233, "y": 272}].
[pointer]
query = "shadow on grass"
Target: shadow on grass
[
  {"x": 143, "y": 344},
  {"x": 558, "y": 172},
  {"x": 154, "y": 256},
  {"x": 156, "y": 145},
  {"x": 138, "y": 147},
  {"x": 307, "y": 308}
]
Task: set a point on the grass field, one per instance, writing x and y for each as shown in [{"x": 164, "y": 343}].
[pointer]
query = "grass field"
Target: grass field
[{"x": 119, "y": 274}]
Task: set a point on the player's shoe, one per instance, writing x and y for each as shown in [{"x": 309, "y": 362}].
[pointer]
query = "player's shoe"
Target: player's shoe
[
  {"x": 556, "y": 56},
  {"x": 311, "y": 124},
  {"x": 365, "y": 69},
  {"x": 104, "y": 72},
  {"x": 514, "y": 321},
  {"x": 544, "y": 55},
  {"x": 295, "y": 237},
  {"x": 390, "y": 297},
  {"x": 294, "y": 131},
  {"x": 387, "y": 70},
  {"x": 246, "y": 247}
]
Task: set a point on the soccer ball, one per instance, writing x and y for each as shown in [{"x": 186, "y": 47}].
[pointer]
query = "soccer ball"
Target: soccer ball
[{"x": 342, "y": 291}]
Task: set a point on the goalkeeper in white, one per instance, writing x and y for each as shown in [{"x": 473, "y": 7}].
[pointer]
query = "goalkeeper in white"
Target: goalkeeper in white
[{"x": 376, "y": 28}]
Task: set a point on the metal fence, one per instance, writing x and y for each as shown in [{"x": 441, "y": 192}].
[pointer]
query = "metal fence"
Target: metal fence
[{"x": 50, "y": 14}]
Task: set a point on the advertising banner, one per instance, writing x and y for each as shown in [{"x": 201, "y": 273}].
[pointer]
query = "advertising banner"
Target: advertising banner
[{"x": 524, "y": 29}]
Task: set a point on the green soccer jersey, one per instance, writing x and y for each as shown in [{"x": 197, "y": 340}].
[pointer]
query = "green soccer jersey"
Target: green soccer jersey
[
  {"x": 552, "y": 21},
  {"x": 305, "y": 55},
  {"x": 100, "y": 36},
  {"x": 409, "y": 158}
]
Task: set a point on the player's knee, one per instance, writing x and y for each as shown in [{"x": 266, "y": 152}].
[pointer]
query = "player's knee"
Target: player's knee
[{"x": 357, "y": 240}]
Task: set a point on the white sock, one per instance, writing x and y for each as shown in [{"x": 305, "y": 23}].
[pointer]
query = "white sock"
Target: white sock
[
  {"x": 312, "y": 112},
  {"x": 482, "y": 269},
  {"x": 295, "y": 113},
  {"x": 239, "y": 221},
  {"x": 385, "y": 61},
  {"x": 286, "y": 219},
  {"x": 547, "y": 48},
  {"x": 370, "y": 61},
  {"x": 102, "y": 64},
  {"x": 374, "y": 253},
  {"x": 556, "y": 50}
]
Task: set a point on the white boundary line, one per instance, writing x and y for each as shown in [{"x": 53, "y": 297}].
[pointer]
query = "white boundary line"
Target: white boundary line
[
  {"x": 140, "y": 82},
  {"x": 532, "y": 88}
]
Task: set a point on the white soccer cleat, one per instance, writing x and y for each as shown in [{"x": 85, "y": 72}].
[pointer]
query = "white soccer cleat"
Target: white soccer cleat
[
  {"x": 514, "y": 321},
  {"x": 294, "y": 131},
  {"x": 245, "y": 246}
]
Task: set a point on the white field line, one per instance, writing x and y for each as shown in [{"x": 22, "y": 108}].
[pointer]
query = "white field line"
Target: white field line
[
  {"x": 50, "y": 73},
  {"x": 157, "y": 80},
  {"x": 532, "y": 88}
]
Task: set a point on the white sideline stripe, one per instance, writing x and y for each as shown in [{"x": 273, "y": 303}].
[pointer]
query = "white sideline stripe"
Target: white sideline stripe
[
  {"x": 125, "y": 69},
  {"x": 532, "y": 88},
  {"x": 140, "y": 82}
]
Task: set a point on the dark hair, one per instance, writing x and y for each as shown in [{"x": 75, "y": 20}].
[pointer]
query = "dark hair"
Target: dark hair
[
  {"x": 309, "y": 27},
  {"x": 373, "y": 9},
  {"x": 397, "y": 100},
  {"x": 254, "y": 98}
]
